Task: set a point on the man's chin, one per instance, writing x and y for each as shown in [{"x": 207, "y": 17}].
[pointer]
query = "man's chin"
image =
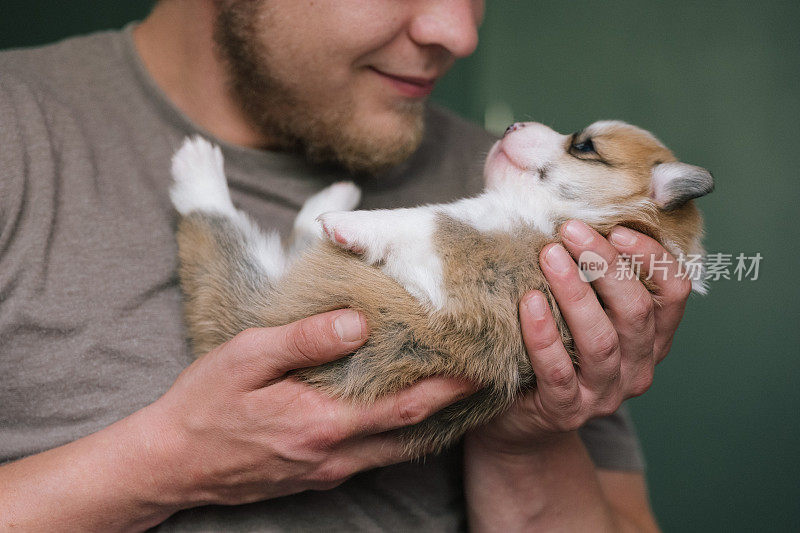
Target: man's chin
[{"x": 369, "y": 149}]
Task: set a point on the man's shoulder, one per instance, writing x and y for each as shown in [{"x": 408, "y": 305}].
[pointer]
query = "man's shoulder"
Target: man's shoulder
[
  {"x": 82, "y": 90},
  {"x": 69, "y": 66},
  {"x": 39, "y": 88}
]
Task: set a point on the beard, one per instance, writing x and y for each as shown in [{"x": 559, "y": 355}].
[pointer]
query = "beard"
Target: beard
[{"x": 324, "y": 132}]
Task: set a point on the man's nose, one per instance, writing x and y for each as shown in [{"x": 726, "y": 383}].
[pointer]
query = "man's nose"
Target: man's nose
[{"x": 451, "y": 24}]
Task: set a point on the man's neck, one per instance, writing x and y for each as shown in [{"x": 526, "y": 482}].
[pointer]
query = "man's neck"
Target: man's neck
[{"x": 176, "y": 45}]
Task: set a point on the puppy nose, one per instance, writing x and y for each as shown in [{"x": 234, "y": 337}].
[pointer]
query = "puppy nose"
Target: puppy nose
[{"x": 514, "y": 127}]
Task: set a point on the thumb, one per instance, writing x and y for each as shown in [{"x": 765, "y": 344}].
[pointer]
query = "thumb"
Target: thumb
[{"x": 268, "y": 353}]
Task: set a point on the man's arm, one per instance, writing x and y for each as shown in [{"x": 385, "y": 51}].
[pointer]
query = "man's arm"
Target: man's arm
[
  {"x": 626, "y": 493},
  {"x": 232, "y": 429},
  {"x": 554, "y": 487},
  {"x": 114, "y": 480},
  {"x": 527, "y": 468}
]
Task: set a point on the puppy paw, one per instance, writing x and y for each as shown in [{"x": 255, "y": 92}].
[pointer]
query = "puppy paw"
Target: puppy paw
[
  {"x": 341, "y": 196},
  {"x": 199, "y": 178},
  {"x": 398, "y": 241},
  {"x": 351, "y": 230}
]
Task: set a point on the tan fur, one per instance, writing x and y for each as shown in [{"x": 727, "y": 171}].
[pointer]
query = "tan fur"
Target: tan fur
[{"x": 475, "y": 336}]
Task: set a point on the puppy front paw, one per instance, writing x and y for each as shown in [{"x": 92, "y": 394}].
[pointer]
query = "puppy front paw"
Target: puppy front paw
[
  {"x": 341, "y": 196},
  {"x": 352, "y": 230}
]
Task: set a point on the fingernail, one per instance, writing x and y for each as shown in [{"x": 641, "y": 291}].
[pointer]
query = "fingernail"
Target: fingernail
[
  {"x": 348, "y": 326},
  {"x": 622, "y": 236},
  {"x": 535, "y": 305},
  {"x": 558, "y": 258},
  {"x": 578, "y": 232}
]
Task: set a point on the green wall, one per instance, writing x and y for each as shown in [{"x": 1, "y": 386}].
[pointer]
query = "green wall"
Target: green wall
[{"x": 718, "y": 83}]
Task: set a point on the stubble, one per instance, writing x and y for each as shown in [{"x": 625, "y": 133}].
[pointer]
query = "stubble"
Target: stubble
[{"x": 322, "y": 132}]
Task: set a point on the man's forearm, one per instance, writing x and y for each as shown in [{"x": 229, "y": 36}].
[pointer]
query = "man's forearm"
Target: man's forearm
[
  {"x": 554, "y": 488},
  {"x": 107, "y": 481}
]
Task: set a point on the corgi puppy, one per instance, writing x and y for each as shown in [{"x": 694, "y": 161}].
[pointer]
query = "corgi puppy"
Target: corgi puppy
[{"x": 440, "y": 284}]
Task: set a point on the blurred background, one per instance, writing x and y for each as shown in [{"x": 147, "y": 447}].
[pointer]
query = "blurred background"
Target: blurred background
[{"x": 718, "y": 82}]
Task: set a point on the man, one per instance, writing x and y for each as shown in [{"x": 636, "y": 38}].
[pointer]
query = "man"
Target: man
[{"x": 298, "y": 94}]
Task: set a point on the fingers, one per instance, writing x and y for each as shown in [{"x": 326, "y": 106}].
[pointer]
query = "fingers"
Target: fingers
[
  {"x": 594, "y": 334},
  {"x": 663, "y": 270},
  {"x": 360, "y": 437},
  {"x": 259, "y": 355},
  {"x": 373, "y": 442},
  {"x": 409, "y": 406},
  {"x": 365, "y": 453},
  {"x": 556, "y": 379},
  {"x": 628, "y": 304}
]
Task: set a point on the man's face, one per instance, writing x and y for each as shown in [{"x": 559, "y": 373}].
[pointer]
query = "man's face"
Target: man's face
[{"x": 342, "y": 80}]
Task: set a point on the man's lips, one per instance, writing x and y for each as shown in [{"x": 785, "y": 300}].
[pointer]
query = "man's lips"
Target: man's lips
[{"x": 411, "y": 86}]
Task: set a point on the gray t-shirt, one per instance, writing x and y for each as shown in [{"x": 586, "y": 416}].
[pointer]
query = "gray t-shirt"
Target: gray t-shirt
[{"x": 90, "y": 309}]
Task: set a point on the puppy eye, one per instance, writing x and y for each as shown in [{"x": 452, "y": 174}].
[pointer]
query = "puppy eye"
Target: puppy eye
[{"x": 584, "y": 147}]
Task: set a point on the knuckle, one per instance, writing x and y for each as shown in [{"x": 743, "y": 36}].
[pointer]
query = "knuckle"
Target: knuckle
[
  {"x": 683, "y": 289},
  {"x": 560, "y": 376},
  {"x": 548, "y": 340},
  {"x": 234, "y": 352},
  {"x": 563, "y": 410},
  {"x": 607, "y": 407},
  {"x": 676, "y": 292},
  {"x": 642, "y": 309},
  {"x": 302, "y": 339},
  {"x": 327, "y": 433},
  {"x": 615, "y": 258},
  {"x": 605, "y": 346},
  {"x": 243, "y": 340},
  {"x": 577, "y": 291},
  {"x": 410, "y": 412},
  {"x": 642, "y": 383}
]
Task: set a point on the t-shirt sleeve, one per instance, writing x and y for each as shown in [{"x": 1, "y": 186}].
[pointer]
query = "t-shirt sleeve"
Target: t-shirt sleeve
[
  {"x": 612, "y": 442},
  {"x": 12, "y": 163},
  {"x": 33, "y": 123}
]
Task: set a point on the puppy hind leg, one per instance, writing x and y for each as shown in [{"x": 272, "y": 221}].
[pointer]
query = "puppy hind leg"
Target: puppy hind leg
[
  {"x": 200, "y": 186},
  {"x": 228, "y": 267},
  {"x": 225, "y": 290},
  {"x": 199, "y": 179}
]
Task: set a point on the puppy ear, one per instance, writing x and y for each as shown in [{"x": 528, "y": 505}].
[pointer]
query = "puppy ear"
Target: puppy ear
[{"x": 674, "y": 184}]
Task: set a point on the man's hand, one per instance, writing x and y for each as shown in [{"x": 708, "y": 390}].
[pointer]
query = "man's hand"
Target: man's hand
[
  {"x": 242, "y": 430},
  {"x": 528, "y": 469},
  {"x": 619, "y": 341},
  {"x": 234, "y": 428}
]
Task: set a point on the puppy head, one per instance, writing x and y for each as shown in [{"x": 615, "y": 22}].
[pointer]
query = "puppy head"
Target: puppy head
[{"x": 606, "y": 174}]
